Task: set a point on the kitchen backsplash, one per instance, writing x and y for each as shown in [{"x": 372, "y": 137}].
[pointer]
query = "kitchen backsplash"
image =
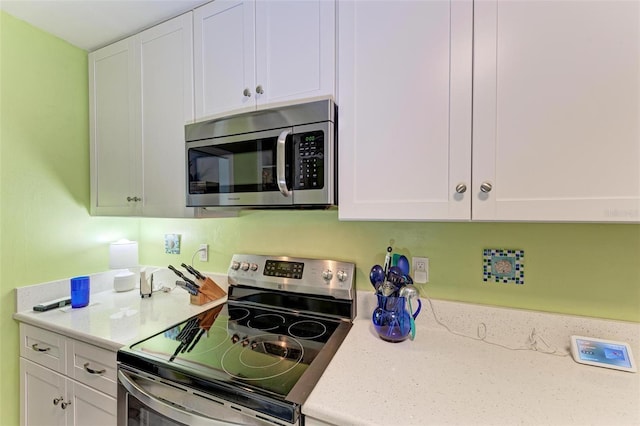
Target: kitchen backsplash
[{"x": 582, "y": 269}]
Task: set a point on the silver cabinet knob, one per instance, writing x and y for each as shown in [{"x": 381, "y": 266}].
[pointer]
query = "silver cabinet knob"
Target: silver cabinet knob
[
  {"x": 57, "y": 401},
  {"x": 486, "y": 187},
  {"x": 461, "y": 188},
  {"x": 246, "y": 92},
  {"x": 259, "y": 89},
  {"x": 64, "y": 405}
]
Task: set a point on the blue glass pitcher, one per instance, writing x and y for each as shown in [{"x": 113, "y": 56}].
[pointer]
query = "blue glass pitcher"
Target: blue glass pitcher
[{"x": 391, "y": 319}]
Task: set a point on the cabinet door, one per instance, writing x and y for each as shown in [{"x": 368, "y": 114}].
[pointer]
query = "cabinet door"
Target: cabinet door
[
  {"x": 555, "y": 127},
  {"x": 166, "y": 71},
  {"x": 295, "y": 50},
  {"x": 42, "y": 392},
  {"x": 90, "y": 407},
  {"x": 224, "y": 57},
  {"x": 115, "y": 154},
  {"x": 404, "y": 103}
]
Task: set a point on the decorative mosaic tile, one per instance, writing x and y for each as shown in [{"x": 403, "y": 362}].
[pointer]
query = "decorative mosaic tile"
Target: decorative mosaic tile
[
  {"x": 172, "y": 243},
  {"x": 503, "y": 266}
]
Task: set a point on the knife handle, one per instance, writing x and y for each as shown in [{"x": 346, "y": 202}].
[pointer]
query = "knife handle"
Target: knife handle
[
  {"x": 175, "y": 271},
  {"x": 185, "y": 278},
  {"x": 193, "y": 271},
  {"x": 190, "y": 290}
]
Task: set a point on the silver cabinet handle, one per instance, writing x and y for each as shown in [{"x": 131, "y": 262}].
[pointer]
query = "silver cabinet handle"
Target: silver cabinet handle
[
  {"x": 486, "y": 187},
  {"x": 461, "y": 188},
  {"x": 57, "y": 401},
  {"x": 134, "y": 199},
  {"x": 259, "y": 89},
  {"x": 280, "y": 166},
  {"x": 92, "y": 371},
  {"x": 37, "y": 349},
  {"x": 64, "y": 405},
  {"x": 247, "y": 93}
]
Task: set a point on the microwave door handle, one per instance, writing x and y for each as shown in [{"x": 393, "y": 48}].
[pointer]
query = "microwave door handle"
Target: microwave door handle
[{"x": 280, "y": 163}]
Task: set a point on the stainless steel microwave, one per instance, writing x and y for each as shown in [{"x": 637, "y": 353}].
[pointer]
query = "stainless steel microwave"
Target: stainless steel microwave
[{"x": 271, "y": 158}]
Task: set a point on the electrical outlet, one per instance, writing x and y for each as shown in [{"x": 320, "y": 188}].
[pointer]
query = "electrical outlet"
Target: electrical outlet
[
  {"x": 204, "y": 252},
  {"x": 420, "y": 266}
]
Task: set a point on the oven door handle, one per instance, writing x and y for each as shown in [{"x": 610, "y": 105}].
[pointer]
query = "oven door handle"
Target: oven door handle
[
  {"x": 173, "y": 412},
  {"x": 281, "y": 163}
]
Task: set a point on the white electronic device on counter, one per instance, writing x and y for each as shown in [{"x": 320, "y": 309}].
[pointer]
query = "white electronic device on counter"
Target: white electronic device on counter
[{"x": 603, "y": 353}]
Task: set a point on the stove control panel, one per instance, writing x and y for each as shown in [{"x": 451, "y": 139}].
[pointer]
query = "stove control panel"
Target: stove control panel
[{"x": 309, "y": 276}]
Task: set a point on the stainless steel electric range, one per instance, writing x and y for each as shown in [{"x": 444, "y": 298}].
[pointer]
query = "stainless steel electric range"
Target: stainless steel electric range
[{"x": 253, "y": 360}]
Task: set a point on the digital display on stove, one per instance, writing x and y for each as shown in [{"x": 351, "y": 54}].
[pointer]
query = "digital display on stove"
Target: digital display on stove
[{"x": 283, "y": 269}]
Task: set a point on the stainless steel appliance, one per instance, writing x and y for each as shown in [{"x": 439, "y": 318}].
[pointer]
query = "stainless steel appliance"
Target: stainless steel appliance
[
  {"x": 281, "y": 157},
  {"x": 251, "y": 361}
]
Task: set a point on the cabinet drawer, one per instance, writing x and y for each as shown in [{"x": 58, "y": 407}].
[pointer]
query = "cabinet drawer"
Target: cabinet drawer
[
  {"x": 43, "y": 347},
  {"x": 93, "y": 366}
]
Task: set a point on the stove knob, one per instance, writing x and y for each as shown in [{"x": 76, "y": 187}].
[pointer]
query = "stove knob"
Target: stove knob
[
  {"x": 342, "y": 275},
  {"x": 235, "y": 338},
  {"x": 244, "y": 266},
  {"x": 245, "y": 342},
  {"x": 327, "y": 275},
  {"x": 253, "y": 266},
  {"x": 254, "y": 345},
  {"x": 235, "y": 265}
]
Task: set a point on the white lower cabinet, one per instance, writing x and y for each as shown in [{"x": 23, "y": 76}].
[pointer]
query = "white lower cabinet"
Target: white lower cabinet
[
  {"x": 49, "y": 398},
  {"x": 310, "y": 421},
  {"x": 42, "y": 392},
  {"x": 64, "y": 381}
]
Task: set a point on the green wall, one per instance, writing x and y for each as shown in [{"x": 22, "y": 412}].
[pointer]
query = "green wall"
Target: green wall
[
  {"x": 583, "y": 269},
  {"x": 46, "y": 232}
]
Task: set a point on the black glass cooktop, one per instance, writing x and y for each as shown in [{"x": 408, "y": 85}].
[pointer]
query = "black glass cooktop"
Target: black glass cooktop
[{"x": 257, "y": 349}]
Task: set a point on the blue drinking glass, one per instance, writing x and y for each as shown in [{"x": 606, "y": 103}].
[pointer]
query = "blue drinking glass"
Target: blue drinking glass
[{"x": 80, "y": 289}]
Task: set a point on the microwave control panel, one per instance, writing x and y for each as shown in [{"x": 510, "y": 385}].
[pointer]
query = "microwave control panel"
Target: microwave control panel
[{"x": 309, "y": 160}]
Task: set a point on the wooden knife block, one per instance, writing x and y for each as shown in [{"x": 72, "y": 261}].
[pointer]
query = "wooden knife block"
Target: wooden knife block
[{"x": 209, "y": 292}]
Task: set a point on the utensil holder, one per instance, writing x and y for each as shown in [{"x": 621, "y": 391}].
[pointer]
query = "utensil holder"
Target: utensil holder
[
  {"x": 391, "y": 320},
  {"x": 209, "y": 292}
]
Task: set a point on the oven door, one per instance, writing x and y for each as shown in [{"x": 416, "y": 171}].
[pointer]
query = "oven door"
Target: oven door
[
  {"x": 252, "y": 169},
  {"x": 145, "y": 401}
]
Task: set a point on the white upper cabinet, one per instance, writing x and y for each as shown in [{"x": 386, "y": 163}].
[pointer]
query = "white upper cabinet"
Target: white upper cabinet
[
  {"x": 166, "y": 70},
  {"x": 295, "y": 50},
  {"x": 404, "y": 103},
  {"x": 141, "y": 96},
  {"x": 249, "y": 54},
  {"x": 224, "y": 57},
  {"x": 557, "y": 110},
  {"x": 551, "y": 132},
  {"x": 115, "y": 155}
]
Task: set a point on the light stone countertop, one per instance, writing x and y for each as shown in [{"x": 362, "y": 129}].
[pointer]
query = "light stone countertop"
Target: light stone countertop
[
  {"x": 112, "y": 319},
  {"x": 442, "y": 378}
]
